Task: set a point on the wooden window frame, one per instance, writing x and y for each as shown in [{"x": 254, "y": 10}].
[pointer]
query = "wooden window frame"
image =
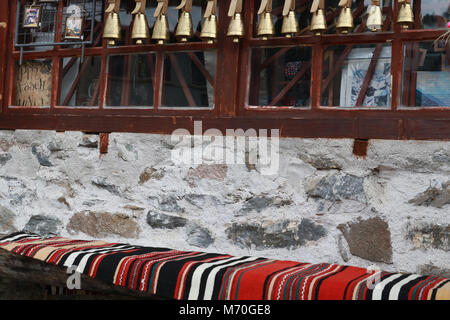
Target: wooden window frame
[{"x": 231, "y": 90}]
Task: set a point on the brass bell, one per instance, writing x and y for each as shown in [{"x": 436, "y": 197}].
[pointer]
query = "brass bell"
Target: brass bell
[
  {"x": 209, "y": 30},
  {"x": 345, "y": 21},
  {"x": 185, "y": 27},
  {"x": 112, "y": 28},
  {"x": 161, "y": 29},
  {"x": 265, "y": 26},
  {"x": 318, "y": 23},
  {"x": 375, "y": 19},
  {"x": 405, "y": 15},
  {"x": 236, "y": 27},
  {"x": 290, "y": 24},
  {"x": 140, "y": 29}
]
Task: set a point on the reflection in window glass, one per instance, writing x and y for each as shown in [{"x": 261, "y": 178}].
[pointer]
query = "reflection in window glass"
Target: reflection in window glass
[
  {"x": 33, "y": 83},
  {"x": 356, "y": 75},
  {"x": 189, "y": 79},
  {"x": 280, "y": 77},
  {"x": 80, "y": 82},
  {"x": 426, "y": 74},
  {"x": 434, "y": 14},
  {"x": 130, "y": 80}
]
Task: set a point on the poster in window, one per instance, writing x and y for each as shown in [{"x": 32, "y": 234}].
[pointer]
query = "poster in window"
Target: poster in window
[
  {"x": 74, "y": 28},
  {"x": 354, "y": 73},
  {"x": 32, "y": 16},
  {"x": 33, "y": 84}
]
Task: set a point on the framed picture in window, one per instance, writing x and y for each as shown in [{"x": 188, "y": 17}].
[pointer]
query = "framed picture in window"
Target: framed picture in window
[
  {"x": 74, "y": 28},
  {"x": 32, "y": 16}
]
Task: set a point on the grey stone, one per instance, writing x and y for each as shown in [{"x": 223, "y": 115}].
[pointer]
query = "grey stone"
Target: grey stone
[
  {"x": 43, "y": 225},
  {"x": 42, "y": 155},
  {"x": 431, "y": 270},
  {"x": 169, "y": 203},
  {"x": 343, "y": 248},
  {"x": 310, "y": 231},
  {"x": 280, "y": 234},
  {"x": 104, "y": 183},
  {"x": 433, "y": 196},
  {"x": 369, "y": 239},
  {"x": 55, "y": 146},
  {"x": 261, "y": 202},
  {"x": 103, "y": 224},
  {"x": 202, "y": 200},
  {"x": 164, "y": 221},
  {"x": 426, "y": 235},
  {"x": 7, "y": 220},
  {"x": 4, "y": 158},
  {"x": 338, "y": 187},
  {"x": 89, "y": 141},
  {"x": 198, "y": 236},
  {"x": 321, "y": 161}
]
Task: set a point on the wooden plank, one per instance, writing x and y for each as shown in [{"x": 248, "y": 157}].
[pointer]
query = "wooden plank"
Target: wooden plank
[
  {"x": 4, "y": 27},
  {"x": 322, "y": 126},
  {"x": 24, "y": 269}
]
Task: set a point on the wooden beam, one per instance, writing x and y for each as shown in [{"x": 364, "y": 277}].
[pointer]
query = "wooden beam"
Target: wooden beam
[
  {"x": 24, "y": 269},
  {"x": 184, "y": 86}
]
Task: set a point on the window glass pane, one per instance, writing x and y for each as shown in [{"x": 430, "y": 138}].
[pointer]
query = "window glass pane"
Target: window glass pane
[
  {"x": 130, "y": 80},
  {"x": 280, "y": 77},
  {"x": 189, "y": 79},
  {"x": 74, "y": 29},
  {"x": 126, "y": 19},
  {"x": 33, "y": 83},
  {"x": 356, "y": 75},
  {"x": 37, "y": 24},
  {"x": 302, "y": 10},
  {"x": 434, "y": 13},
  {"x": 80, "y": 84},
  {"x": 426, "y": 74}
]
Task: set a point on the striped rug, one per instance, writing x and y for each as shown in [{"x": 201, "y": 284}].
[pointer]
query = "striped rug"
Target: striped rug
[{"x": 194, "y": 275}]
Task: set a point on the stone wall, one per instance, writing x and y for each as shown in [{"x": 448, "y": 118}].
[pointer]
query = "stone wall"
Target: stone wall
[{"x": 390, "y": 210}]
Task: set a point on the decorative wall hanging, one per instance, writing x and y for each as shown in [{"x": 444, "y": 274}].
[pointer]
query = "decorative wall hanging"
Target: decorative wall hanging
[
  {"x": 236, "y": 27},
  {"x": 74, "y": 23},
  {"x": 318, "y": 21},
  {"x": 405, "y": 16},
  {"x": 266, "y": 28},
  {"x": 32, "y": 16},
  {"x": 140, "y": 31},
  {"x": 375, "y": 18},
  {"x": 345, "y": 20},
  {"x": 290, "y": 22},
  {"x": 161, "y": 31},
  {"x": 209, "y": 29},
  {"x": 185, "y": 27},
  {"x": 112, "y": 28}
]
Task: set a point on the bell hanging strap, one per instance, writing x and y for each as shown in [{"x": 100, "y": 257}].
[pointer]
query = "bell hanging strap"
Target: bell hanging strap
[
  {"x": 345, "y": 3},
  {"x": 161, "y": 8},
  {"x": 289, "y": 5},
  {"x": 140, "y": 6},
  {"x": 185, "y": 5},
  {"x": 235, "y": 7},
  {"x": 210, "y": 8},
  {"x": 113, "y": 6},
  {"x": 317, "y": 4},
  {"x": 266, "y": 6}
]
